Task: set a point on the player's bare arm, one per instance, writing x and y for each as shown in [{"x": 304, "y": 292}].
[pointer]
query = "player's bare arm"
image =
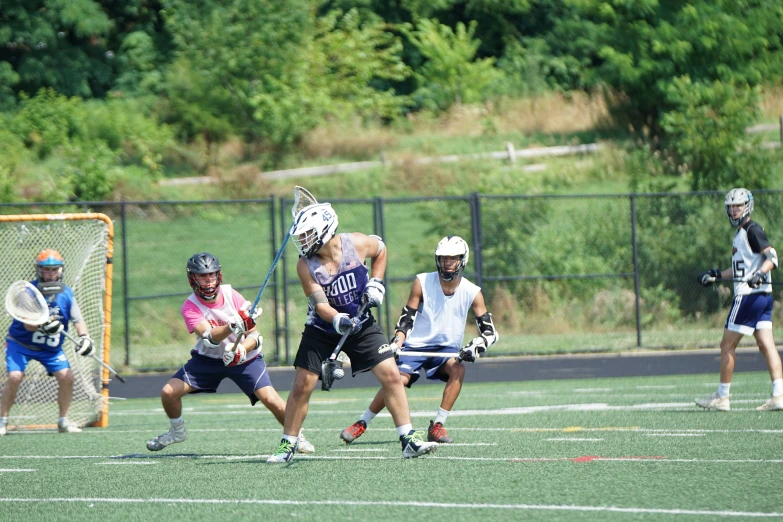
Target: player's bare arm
[{"x": 371, "y": 247}]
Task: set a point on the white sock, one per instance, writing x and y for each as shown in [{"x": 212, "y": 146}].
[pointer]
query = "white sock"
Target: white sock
[
  {"x": 723, "y": 389},
  {"x": 290, "y": 438},
  {"x": 404, "y": 429},
  {"x": 367, "y": 416},
  {"x": 777, "y": 387},
  {"x": 3, "y": 421},
  {"x": 175, "y": 423},
  {"x": 442, "y": 416},
  {"x": 61, "y": 421}
]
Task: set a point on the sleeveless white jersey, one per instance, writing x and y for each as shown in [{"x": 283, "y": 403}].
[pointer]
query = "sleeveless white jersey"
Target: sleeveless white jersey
[
  {"x": 746, "y": 258},
  {"x": 440, "y": 322},
  {"x": 219, "y": 317}
]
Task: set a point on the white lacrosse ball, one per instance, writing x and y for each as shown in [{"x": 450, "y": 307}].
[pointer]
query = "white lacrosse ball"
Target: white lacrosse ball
[{"x": 338, "y": 373}]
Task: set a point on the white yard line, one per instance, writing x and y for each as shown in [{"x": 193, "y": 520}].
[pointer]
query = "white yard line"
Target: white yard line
[
  {"x": 400, "y": 503},
  {"x": 17, "y": 470},
  {"x": 568, "y": 439}
]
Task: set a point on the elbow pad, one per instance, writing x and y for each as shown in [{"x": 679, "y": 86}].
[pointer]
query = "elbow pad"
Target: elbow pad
[
  {"x": 487, "y": 329},
  {"x": 771, "y": 255},
  {"x": 406, "y": 320},
  {"x": 381, "y": 244},
  {"x": 208, "y": 341},
  {"x": 256, "y": 338}
]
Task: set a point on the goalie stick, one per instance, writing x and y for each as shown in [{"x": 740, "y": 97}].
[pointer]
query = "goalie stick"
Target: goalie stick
[
  {"x": 329, "y": 366},
  {"x": 427, "y": 354},
  {"x": 302, "y": 199},
  {"x": 25, "y": 303},
  {"x": 721, "y": 280}
]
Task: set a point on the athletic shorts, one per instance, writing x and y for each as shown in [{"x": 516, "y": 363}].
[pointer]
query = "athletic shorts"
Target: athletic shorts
[
  {"x": 205, "y": 374},
  {"x": 17, "y": 357},
  {"x": 366, "y": 348},
  {"x": 413, "y": 366},
  {"x": 750, "y": 313}
]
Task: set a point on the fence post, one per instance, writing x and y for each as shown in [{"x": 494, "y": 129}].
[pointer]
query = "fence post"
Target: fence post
[
  {"x": 125, "y": 300},
  {"x": 781, "y": 128},
  {"x": 475, "y": 212},
  {"x": 636, "y": 273},
  {"x": 273, "y": 240},
  {"x": 380, "y": 230},
  {"x": 285, "y": 281}
]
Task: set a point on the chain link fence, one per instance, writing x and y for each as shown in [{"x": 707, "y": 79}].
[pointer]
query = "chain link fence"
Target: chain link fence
[{"x": 561, "y": 274}]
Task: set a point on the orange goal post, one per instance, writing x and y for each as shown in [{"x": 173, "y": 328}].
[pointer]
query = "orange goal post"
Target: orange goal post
[{"x": 86, "y": 242}]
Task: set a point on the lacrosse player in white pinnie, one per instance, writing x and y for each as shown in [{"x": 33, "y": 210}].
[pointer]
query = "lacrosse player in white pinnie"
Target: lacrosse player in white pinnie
[
  {"x": 218, "y": 315},
  {"x": 752, "y": 260},
  {"x": 25, "y": 343},
  {"x": 434, "y": 320}
]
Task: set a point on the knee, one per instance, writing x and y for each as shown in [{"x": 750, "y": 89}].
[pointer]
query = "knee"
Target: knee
[
  {"x": 168, "y": 393},
  {"x": 14, "y": 378},
  {"x": 457, "y": 372},
  {"x": 65, "y": 378}
]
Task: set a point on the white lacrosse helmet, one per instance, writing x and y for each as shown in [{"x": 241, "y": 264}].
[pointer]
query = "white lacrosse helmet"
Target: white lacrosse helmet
[
  {"x": 313, "y": 227},
  {"x": 452, "y": 246},
  {"x": 738, "y": 196}
]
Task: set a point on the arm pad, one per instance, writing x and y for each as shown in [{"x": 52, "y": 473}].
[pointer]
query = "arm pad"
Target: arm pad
[
  {"x": 381, "y": 244},
  {"x": 256, "y": 337},
  {"x": 487, "y": 329},
  {"x": 318, "y": 297},
  {"x": 771, "y": 255},
  {"x": 406, "y": 320},
  {"x": 208, "y": 341}
]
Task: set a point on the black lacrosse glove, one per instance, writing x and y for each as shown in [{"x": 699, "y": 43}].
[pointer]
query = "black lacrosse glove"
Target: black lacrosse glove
[
  {"x": 51, "y": 327},
  {"x": 757, "y": 279},
  {"x": 85, "y": 345},
  {"x": 708, "y": 277}
]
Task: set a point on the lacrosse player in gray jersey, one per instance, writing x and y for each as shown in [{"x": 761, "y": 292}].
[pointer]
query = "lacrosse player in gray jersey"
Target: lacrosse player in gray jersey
[
  {"x": 335, "y": 280},
  {"x": 752, "y": 260}
]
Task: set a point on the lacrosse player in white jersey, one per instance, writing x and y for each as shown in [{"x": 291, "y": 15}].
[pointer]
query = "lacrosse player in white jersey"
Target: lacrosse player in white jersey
[
  {"x": 434, "y": 320},
  {"x": 752, "y": 260}
]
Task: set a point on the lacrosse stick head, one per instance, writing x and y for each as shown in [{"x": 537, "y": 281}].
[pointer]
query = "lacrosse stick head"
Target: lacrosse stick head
[
  {"x": 328, "y": 368},
  {"x": 739, "y": 205},
  {"x": 26, "y": 304},
  {"x": 451, "y": 246}
]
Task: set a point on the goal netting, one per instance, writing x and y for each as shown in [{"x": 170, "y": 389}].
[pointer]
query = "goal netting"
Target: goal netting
[{"x": 86, "y": 244}]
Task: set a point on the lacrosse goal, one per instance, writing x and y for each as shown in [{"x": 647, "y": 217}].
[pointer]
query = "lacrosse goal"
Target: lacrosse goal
[{"x": 86, "y": 244}]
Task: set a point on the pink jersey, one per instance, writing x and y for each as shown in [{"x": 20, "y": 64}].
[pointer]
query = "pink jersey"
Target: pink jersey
[{"x": 195, "y": 310}]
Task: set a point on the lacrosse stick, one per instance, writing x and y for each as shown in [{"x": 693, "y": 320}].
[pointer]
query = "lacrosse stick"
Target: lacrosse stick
[
  {"x": 427, "y": 354},
  {"x": 720, "y": 280},
  {"x": 302, "y": 199},
  {"x": 25, "y": 303},
  {"x": 329, "y": 368}
]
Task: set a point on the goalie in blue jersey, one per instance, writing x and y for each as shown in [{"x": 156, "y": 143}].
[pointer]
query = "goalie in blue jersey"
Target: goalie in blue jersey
[
  {"x": 433, "y": 321},
  {"x": 43, "y": 343}
]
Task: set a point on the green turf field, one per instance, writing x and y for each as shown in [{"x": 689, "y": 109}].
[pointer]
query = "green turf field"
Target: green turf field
[{"x": 598, "y": 449}]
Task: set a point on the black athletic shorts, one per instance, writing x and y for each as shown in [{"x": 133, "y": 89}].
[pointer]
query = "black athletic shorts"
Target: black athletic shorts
[{"x": 366, "y": 348}]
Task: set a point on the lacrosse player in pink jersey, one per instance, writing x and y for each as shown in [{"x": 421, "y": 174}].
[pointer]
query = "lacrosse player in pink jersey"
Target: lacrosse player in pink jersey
[
  {"x": 433, "y": 320},
  {"x": 752, "y": 260},
  {"x": 217, "y": 315}
]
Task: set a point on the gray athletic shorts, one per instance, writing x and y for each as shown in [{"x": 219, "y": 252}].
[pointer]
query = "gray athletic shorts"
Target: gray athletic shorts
[{"x": 366, "y": 348}]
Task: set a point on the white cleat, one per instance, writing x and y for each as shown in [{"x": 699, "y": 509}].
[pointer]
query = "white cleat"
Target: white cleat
[
  {"x": 772, "y": 404},
  {"x": 68, "y": 427},
  {"x": 303, "y": 445},
  {"x": 414, "y": 445},
  {"x": 173, "y": 436},
  {"x": 713, "y": 402}
]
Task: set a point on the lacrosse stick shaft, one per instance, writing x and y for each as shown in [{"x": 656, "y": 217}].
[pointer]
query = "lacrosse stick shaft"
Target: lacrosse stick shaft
[
  {"x": 721, "y": 280},
  {"x": 111, "y": 370},
  {"x": 427, "y": 354}
]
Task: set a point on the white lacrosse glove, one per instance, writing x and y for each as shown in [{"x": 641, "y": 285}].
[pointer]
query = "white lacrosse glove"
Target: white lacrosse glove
[
  {"x": 473, "y": 350},
  {"x": 85, "y": 345},
  {"x": 374, "y": 292},
  {"x": 52, "y": 327},
  {"x": 344, "y": 323},
  {"x": 234, "y": 357},
  {"x": 242, "y": 321},
  {"x": 396, "y": 345}
]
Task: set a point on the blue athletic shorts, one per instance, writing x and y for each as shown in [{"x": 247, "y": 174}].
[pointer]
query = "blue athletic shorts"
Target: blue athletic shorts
[
  {"x": 414, "y": 365},
  {"x": 205, "y": 373},
  {"x": 750, "y": 313},
  {"x": 17, "y": 357}
]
